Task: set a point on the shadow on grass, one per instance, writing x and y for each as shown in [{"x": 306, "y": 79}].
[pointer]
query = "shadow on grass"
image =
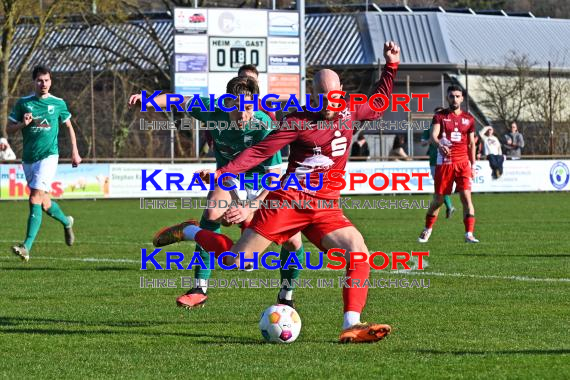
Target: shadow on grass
[
  {"x": 213, "y": 339},
  {"x": 103, "y": 269},
  {"x": 14, "y": 325},
  {"x": 560, "y": 351},
  {"x": 506, "y": 256}
]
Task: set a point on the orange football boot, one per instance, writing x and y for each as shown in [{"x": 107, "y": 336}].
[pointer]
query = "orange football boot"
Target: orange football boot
[
  {"x": 365, "y": 333},
  {"x": 194, "y": 298},
  {"x": 172, "y": 234}
]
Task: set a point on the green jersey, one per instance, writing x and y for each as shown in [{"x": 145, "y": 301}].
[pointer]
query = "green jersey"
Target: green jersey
[
  {"x": 229, "y": 141},
  {"x": 432, "y": 150},
  {"x": 40, "y": 136}
]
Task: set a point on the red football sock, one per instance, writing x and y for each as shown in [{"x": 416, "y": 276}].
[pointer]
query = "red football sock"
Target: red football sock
[
  {"x": 469, "y": 222},
  {"x": 213, "y": 241},
  {"x": 355, "y": 297},
  {"x": 430, "y": 220}
]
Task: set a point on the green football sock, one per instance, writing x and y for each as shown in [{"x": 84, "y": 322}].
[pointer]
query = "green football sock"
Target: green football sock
[
  {"x": 447, "y": 201},
  {"x": 34, "y": 223},
  {"x": 55, "y": 212},
  {"x": 291, "y": 273},
  {"x": 200, "y": 273}
]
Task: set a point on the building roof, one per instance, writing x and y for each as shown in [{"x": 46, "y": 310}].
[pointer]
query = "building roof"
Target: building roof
[
  {"x": 428, "y": 39},
  {"x": 445, "y": 39}
]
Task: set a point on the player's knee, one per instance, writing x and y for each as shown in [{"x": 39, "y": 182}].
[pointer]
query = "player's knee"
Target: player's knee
[
  {"x": 293, "y": 244},
  {"x": 36, "y": 198}
]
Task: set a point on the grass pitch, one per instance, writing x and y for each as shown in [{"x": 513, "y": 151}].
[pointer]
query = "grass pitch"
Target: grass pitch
[{"x": 499, "y": 309}]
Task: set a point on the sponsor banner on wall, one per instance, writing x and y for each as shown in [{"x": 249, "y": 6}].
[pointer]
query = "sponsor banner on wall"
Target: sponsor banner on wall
[
  {"x": 191, "y": 20},
  {"x": 125, "y": 180},
  {"x": 284, "y": 24},
  {"x": 191, "y": 63},
  {"x": 234, "y": 22},
  {"x": 518, "y": 176},
  {"x": 84, "y": 181},
  {"x": 191, "y": 44}
]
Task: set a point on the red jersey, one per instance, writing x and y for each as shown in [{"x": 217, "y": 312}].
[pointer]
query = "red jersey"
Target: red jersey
[
  {"x": 457, "y": 129},
  {"x": 314, "y": 150}
]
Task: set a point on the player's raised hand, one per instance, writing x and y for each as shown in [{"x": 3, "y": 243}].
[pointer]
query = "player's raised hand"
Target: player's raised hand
[
  {"x": 391, "y": 52},
  {"x": 134, "y": 99},
  {"x": 28, "y": 119}
]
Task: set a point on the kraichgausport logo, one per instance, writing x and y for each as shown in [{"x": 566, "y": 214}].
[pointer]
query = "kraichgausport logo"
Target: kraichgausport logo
[{"x": 559, "y": 175}]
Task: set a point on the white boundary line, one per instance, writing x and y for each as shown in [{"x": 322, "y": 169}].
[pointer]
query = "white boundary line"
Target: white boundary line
[{"x": 411, "y": 272}]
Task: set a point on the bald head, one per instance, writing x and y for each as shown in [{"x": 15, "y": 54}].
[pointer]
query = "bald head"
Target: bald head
[{"x": 326, "y": 80}]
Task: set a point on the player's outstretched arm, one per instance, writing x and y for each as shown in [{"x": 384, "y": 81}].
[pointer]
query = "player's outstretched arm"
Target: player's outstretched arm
[
  {"x": 256, "y": 154},
  {"x": 75, "y": 157},
  {"x": 160, "y": 100},
  {"x": 384, "y": 85}
]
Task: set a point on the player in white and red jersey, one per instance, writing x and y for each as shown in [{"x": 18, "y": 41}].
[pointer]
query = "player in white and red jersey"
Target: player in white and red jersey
[
  {"x": 453, "y": 132},
  {"x": 314, "y": 151}
]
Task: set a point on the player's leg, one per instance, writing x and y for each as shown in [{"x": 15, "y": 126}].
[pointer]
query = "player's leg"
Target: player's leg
[
  {"x": 197, "y": 295},
  {"x": 355, "y": 295},
  {"x": 52, "y": 208},
  {"x": 443, "y": 185},
  {"x": 293, "y": 246},
  {"x": 449, "y": 209},
  {"x": 34, "y": 223},
  {"x": 463, "y": 182},
  {"x": 174, "y": 234},
  {"x": 468, "y": 216},
  {"x": 39, "y": 176}
]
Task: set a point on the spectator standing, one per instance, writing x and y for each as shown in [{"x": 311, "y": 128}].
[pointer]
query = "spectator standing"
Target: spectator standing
[
  {"x": 514, "y": 142},
  {"x": 6, "y": 152},
  {"x": 360, "y": 147},
  {"x": 492, "y": 149}
]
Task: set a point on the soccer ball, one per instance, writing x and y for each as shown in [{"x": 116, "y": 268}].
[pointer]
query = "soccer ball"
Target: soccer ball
[{"x": 280, "y": 324}]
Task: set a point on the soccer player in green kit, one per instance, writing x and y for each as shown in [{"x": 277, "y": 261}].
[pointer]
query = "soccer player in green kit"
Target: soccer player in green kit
[
  {"x": 228, "y": 143},
  {"x": 38, "y": 117},
  {"x": 432, "y": 153}
]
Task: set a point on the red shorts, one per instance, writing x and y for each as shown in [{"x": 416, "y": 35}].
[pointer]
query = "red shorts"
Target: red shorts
[
  {"x": 446, "y": 174},
  {"x": 279, "y": 224}
]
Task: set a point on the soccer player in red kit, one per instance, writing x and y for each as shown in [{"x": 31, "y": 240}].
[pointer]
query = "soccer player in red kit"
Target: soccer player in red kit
[
  {"x": 316, "y": 152},
  {"x": 453, "y": 132}
]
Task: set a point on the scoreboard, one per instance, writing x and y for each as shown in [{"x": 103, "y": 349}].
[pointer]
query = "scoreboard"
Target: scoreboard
[
  {"x": 210, "y": 45},
  {"x": 229, "y": 54}
]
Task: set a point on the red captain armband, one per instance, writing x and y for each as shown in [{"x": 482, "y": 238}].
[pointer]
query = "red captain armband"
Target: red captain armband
[{"x": 392, "y": 65}]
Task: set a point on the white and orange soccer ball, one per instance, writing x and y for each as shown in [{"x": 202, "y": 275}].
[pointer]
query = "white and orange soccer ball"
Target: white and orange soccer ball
[{"x": 280, "y": 324}]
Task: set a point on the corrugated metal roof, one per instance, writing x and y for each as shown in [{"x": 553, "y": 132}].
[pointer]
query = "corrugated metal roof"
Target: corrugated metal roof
[
  {"x": 426, "y": 38},
  {"x": 419, "y": 35},
  {"x": 487, "y": 40},
  {"x": 72, "y": 47},
  {"x": 334, "y": 39},
  {"x": 435, "y": 38}
]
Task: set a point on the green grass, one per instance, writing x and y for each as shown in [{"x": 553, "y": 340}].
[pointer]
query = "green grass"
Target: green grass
[{"x": 61, "y": 317}]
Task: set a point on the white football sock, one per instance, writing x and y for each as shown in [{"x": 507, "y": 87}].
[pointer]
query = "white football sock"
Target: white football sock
[
  {"x": 203, "y": 283},
  {"x": 351, "y": 318},
  {"x": 190, "y": 232},
  {"x": 286, "y": 294}
]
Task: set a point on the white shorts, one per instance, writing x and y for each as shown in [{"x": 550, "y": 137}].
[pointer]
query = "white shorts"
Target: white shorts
[
  {"x": 247, "y": 194},
  {"x": 40, "y": 174}
]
